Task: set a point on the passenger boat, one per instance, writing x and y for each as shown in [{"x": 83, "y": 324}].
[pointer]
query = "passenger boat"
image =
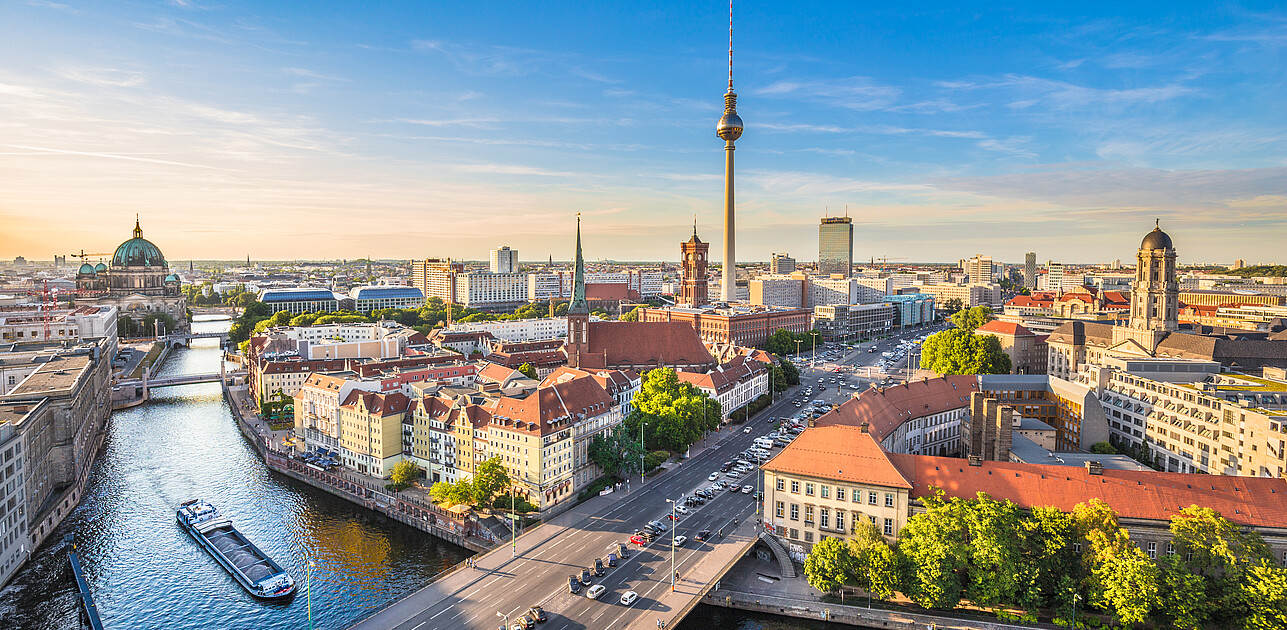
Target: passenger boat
[{"x": 253, "y": 569}]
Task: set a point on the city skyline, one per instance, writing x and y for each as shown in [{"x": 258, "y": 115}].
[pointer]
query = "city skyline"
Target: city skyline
[{"x": 346, "y": 133}]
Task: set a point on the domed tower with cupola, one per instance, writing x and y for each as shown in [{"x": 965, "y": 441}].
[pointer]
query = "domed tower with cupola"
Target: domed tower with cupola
[
  {"x": 1155, "y": 293},
  {"x": 138, "y": 281}
]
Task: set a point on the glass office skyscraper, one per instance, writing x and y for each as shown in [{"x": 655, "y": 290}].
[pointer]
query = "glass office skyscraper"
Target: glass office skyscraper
[{"x": 836, "y": 246}]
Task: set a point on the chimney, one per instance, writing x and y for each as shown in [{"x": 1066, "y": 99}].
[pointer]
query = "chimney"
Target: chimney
[
  {"x": 1094, "y": 468},
  {"x": 812, "y": 422},
  {"x": 975, "y": 460},
  {"x": 865, "y": 427}
]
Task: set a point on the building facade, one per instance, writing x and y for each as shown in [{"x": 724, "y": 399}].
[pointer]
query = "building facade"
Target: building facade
[
  {"x": 693, "y": 289},
  {"x": 780, "y": 264},
  {"x": 374, "y": 298},
  {"x": 138, "y": 282},
  {"x": 737, "y": 325},
  {"x": 300, "y": 301},
  {"x": 1026, "y": 349},
  {"x": 836, "y": 246},
  {"x": 504, "y": 260},
  {"x": 853, "y": 321}
]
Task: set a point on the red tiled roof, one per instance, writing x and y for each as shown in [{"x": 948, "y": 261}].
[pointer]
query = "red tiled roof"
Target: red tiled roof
[
  {"x": 644, "y": 343},
  {"x": 607, "y": 290},
  {"x": 1035, "y": 301},
  {"x": 1003, "y": 328},
  {"x": 566, "y": 402},
  {"x": 1251, "y": 501},
  {"x": 844, "y": 453},
  {"x": 378, "y": 404},
  {"x": 888, "y": 408}
]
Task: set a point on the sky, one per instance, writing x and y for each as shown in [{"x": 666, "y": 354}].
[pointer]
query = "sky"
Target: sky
[{"x": 391, "y": 130}]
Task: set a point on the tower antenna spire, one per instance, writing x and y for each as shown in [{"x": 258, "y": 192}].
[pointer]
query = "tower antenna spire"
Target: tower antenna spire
[{"x": 730, "y": 45}]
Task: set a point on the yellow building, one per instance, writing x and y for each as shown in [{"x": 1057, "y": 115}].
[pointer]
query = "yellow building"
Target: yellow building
[{"x": 371, "y": 431}]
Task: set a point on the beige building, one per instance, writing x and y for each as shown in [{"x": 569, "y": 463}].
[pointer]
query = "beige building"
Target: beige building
[
  {"x": 970, "y": 295},
  {"x": 1026, "y": 349},
  {"x": 370, "y": 430}
]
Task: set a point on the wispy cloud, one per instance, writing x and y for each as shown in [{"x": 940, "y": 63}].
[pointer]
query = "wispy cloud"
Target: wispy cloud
[
  {"x": 859, "y": 93},
  {"x": 109, "y": 156}
]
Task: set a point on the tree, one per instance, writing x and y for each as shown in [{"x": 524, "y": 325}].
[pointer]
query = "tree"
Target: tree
[
  {"x": 952, "y": 305},
  {"x": 1263, "y": 594},
  {"x": 1103, "y": 448},
  {"x": 673, "y": 414},
  {"x": 971, "y": 318},
  {"x": 1211, "y": 547},
  {"x": 616, "y": 452},
  {"x": 781, "y": 343},
  {"x": 1182, "y": 595},
  {"x": 934, "y": 544},
  {"x": 528, "y": 371},
  {"x": 490, "y": 477},
  {"x": 790, "y": 373},
  {"x": 1121, "y": 577},
  {"x": 632, "y": 316},
  {"x": 995, "y": 550},
  {"x": 829, "y": 565},
  {"x": 957, "y": 351},
  {"x": 460, "y": 492},
  {"x": 404, "y": 474}
]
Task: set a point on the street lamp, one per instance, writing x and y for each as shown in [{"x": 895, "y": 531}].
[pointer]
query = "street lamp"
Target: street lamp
[
  {"x": 504, "y": 616},
  {"x": 759, "y": 459},
  {"x": 513, "y": 537},
  {"x": 673, "y": 528}
]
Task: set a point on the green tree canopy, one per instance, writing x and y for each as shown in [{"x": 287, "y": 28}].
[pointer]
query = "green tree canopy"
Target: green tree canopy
[
  {"x": 971, "y": 318},
  {"x": 952, "y": 305},
  {"x": 673, "y": 414},
  {"x": 616, "y": 452},
  {"x": 404, "y": 474},
  {"x": 528, "y": 371},
  {"x": 830, "y": 565},
  {"x": 957, "y": 351},
  {"x": 490, "y": 478},
  {"x": 449, "y": 494}
]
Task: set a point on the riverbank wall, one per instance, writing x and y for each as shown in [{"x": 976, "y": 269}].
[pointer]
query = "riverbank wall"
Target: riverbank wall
[{"x": 428, "y": 518}]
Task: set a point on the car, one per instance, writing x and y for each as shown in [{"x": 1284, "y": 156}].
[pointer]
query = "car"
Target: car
[
  {"x": 610, "y": 560},
  {"x": 680, "y": 540},
  {"x": 637, "y": 540},
  {"x": 622, "y": 550},
  {"x": 702, "y": 535},
  {"x": 733, "y": 488},
  {"x": 525, "y": 623},
  {"x": 746, "y": 430},
  {"x": 598, "y": 567},
  {"x": 674, "y": 517},
  {"x": 681, "y": 509},
  {"x": 629, "y": 597},
  {"x": 747, "y": 489},
  {"x": 595, "y": 591},
  {"x": 713, "y": 476},
  {"x": 658, "y": 526},
  {"x": 585, "y": 577},
  {"x": 574, "y": 585},
  {"x": 537, "y": 613},
  {"x": 646, "y": 534}
]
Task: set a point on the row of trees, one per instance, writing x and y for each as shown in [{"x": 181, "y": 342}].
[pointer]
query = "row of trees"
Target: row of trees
[
  {"x": 996, "y": 556},
  {"x": 783, "y": 342},
  {"x": 671, "y": 414},
  {"x": 489, "y": 480},
  {"x": 205, "y": 295},
  {"x": 147, "y": 327},
  {"x": 959, "y": 351}
]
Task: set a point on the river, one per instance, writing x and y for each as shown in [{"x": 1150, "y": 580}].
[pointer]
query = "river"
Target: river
[{"x": 145, "y": 572}]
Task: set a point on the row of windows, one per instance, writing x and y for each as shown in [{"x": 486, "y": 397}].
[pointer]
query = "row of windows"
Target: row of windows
[{"x": 824, "y": 491}]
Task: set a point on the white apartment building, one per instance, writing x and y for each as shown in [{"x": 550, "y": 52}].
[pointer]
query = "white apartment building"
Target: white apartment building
[
  {"x": 522, "y": 330},
  {"x": 970, "y": 295},
  {"x": 84, "y": 322},
  {"x": 544, "y": 286},
  {"x": 979, "y": 269},
  {"x": 734, "y": 384},
  {"x": 504, "y": 260},
  {"x": 777, "y": 290},
  {"x": 478, "y": 289}
]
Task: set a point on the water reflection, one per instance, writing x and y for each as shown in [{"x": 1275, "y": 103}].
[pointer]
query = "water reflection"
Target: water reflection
[{"x": 147, "y": 573}]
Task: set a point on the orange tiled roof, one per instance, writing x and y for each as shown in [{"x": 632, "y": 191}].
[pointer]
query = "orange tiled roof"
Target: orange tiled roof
[
  {"x": 566, "y": 402},
  {"x": 1003, "y": 328},
  {"x": 888, "y": 408},
  {"x": 844, "y": 453},
  {"x": 644, "y": 343},
  {"x": 1251, "y": 501}
]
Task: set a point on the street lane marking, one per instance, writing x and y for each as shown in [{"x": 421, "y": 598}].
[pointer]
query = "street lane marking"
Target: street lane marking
[
  {"x": 422, "y": 623},
  {"x": 435, "y": 615}
]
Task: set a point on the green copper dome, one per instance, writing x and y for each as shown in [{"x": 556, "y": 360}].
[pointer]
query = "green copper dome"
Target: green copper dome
[
  {"x": 100, "y": 268},
  {"x": 86, "y": 269},
  {"x": 138, "y": 252}
]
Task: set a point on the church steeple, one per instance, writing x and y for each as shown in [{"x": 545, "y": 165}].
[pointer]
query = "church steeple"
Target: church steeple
[
  {"x": 578, "y": 304},
  {"x": 138, "y": 231}
]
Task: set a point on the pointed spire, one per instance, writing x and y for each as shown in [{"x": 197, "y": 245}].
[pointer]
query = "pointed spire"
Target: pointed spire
[
  {"x": 694, "y": 226},
  {"x": 730, "y": 45},
  {"x": 138, "y": 231},
  {"x": 578, "y": 304}
]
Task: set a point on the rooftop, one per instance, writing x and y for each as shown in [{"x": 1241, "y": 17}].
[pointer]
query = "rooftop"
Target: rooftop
[{"x": 60, "y": 373}]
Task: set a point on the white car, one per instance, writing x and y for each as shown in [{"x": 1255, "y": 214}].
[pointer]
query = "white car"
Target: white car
[
  {"x": 629, "y": 597},
  {"x": 747, "y": 489},
  {"x": 679, "y": 509},
  {"x": 595, "y": 591},
  {"x": 713, "y": 476},
  {"x": 680, "y": 540},
  {"x": 746, "y": 430}
]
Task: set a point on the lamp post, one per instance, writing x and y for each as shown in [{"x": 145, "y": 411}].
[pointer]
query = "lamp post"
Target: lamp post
[
  {"x": 513, "y": 536},
  {"x": 308, "y": 590},
  {"x": 504, "y": 616},
  {"x": 759, "y": 473},
  {"x": 1072, "y": 623},
  {"x": 813, "y": 337},
  {"x": 642, "y": 449},
  {"x": 797, "y": 347},
  {"x": 673, "y": 529}
]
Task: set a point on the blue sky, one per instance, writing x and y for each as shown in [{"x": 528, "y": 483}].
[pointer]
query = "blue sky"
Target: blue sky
[{"x": 418, "y": 129}]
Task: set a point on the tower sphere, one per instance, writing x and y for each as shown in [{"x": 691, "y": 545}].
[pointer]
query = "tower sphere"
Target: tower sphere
[{"x": 730, "y": 126}]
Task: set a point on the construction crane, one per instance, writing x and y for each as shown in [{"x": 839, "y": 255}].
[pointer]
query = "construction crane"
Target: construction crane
[
  {"x": 83, "y": 255},
  {"x": 885, "y": 259}
]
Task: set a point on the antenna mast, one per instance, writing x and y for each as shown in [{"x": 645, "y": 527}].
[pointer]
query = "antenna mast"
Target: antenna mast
[{"x": 730, "y": 45}]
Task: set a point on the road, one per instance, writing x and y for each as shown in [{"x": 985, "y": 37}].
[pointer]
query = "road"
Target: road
[{"x": 504, "y": 587}]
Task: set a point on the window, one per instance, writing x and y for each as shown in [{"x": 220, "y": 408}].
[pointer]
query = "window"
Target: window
[
  {"x": 840, "y": 494},
  {"x": 779, "y": 509},
  {"x": 795, "y": 512},
  {"x": 795, "y": 534},
  {"x": 889, "y": 500},
  {"x": 824, "y": 518},
  {"x": 871, "y": 498},
  {"x": 781, "y": 484},
  {"x": 808, "y": 489},
  {"x": 795, "y": 487},
  {"x": 824, "y": 492},
  {"x": 1170, "y": 549},
  {"x": 808, "y": 514},
  {"x": 1152, "y": 551},
  {"x": 889, "y": 527},
  {"x": 840, "y": 521},
  {"x": 873, "y": 519}
]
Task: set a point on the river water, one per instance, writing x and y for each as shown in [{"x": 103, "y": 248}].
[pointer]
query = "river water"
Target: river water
[{"x": 145, "y": 572}]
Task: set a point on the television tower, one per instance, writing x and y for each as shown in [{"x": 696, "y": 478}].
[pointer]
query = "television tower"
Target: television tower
[{"x": 729, "y": 129}]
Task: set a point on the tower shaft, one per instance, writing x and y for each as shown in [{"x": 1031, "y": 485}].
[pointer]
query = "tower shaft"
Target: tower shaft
[{"x": 728, "y": 286}]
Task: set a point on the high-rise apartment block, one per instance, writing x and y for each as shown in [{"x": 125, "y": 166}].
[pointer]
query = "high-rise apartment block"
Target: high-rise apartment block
[
  {"x": 781, "y": 264},
  {"x": 1030, "y": 270},
  {"x": 504, "y": 260},
  {"x": 836, "y": 246},
  {"x": 436, "y": 278},
  {"x": 978, "y": 268}
]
